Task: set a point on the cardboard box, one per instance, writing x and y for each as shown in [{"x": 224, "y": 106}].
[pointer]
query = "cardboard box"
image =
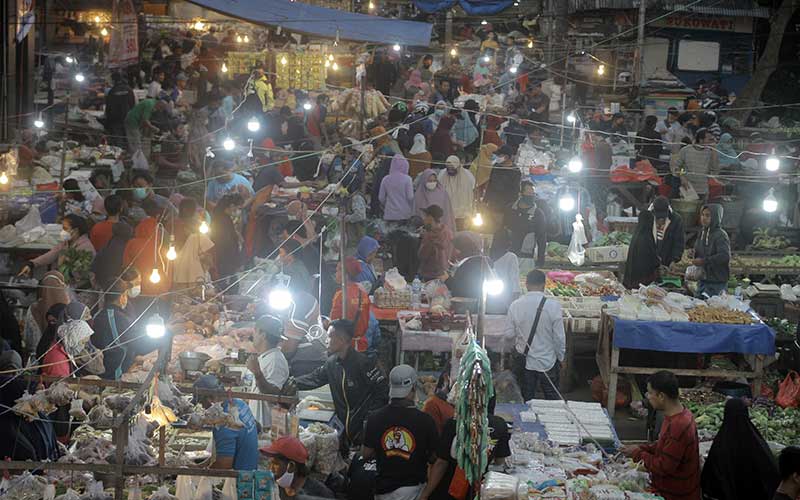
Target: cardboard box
[{"x": 601, "y": 255}]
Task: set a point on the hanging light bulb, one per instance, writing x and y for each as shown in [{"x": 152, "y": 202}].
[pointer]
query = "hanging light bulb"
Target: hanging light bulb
[
  {"x": 104, "y": 32},
  {"x": 203, "y": 228},
  {"x": 571, "y": 118},
  {"x": 97, "y": 19},
  {"x": 575, "y": 165},
  {"x": 566, "y": 203},
  {"x": 307, "y": 105},
  {"x": 38, "y": 122},
  {"x": 477, "y": 220},
  {"x": 486, "y": 58},
  {"x": 253, "y": 125},
  {"x": 773, "y": 163},
  {"x": 199, "y": 25},
  {"x": 453, "y": 52},
  {"x": 155, "y": 327},
  {"x": 280, "y": 299},
  {"x": 3, "y": 178},
  {"x": 396, "y": 47},
  {"x": 770, "y": 204},
  {"x": 69, "y": 59},
  {"x": 155, "y": 277},
  {"x": 224, "y": 68},
  {"x": 334, "y": 66},
  {"x": 79, "y": 77},
  {"x": 327, "y": 63},
  {"x": 513, "y": 70},
  {"x": 530, "y": 44},
  {"x": 493, "y": 286},
  {"x": 601, "y": 70},
  {"x": 516, "y": 4},
  {"x": 284, "y": 62},
  {"x": 246, "y": 39},
  {"x": 171, "y": 253},
  {"x": 484, "y": 22},
  {"x": 209, "y": 153},
  {"x": 238, "y": 38},
  {"x": 330, "y": 57},
  {"x": 371, "y": 5},
  {"x": 228, "y": 144}
]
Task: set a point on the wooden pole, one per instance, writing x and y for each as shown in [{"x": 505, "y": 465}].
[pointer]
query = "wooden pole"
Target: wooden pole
[
  {"x": 342, "y": 249},
  {"x": 64, "y": 141}
]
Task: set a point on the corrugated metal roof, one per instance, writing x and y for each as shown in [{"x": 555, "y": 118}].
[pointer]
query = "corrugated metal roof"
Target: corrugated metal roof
[{"x": 733, "y": 8}]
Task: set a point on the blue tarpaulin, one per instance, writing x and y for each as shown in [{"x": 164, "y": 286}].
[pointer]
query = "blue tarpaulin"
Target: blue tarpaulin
[
  {"x": 329, "y": 23},
  {"x": 680, "y": 336},
  {"x": 471, "y": 7}
]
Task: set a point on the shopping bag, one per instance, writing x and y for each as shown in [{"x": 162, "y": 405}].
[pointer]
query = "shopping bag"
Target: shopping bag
[
  {"x": 459, "y": 486},
  {"x": 139, "y": 161},
  {"x": 694, "y": 273},
  {"x": 229, "y": 489},
  {"x": 789, "y": 391},
  {"x": 576, "y": 253},
  {"x": 184, "y": 488},
  {"x": 688, "y": 193}
]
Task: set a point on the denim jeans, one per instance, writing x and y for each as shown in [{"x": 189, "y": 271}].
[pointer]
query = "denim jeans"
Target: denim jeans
[
  {"x": 711, "y": 289},
  {"x": 533, "y": 379}
]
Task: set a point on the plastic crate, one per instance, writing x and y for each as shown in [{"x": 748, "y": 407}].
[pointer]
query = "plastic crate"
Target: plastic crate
[{"x": 609, "y": 254}]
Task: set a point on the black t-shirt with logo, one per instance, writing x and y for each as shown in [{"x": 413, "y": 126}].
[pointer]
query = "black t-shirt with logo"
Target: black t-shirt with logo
[
  {"x": 499, "y": 438},
  {"x": 404, "y": 439}
]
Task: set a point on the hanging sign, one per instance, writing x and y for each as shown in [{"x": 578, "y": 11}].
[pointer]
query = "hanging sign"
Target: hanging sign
[{"x": 123, "y": 49}]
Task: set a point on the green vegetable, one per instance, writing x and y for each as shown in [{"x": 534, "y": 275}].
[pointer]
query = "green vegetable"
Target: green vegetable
[
  {"x": 774, "y": 423},
  {"x": 614, "y": 238},
  {"x": 765, "y": 240},
  {"x": 75, "y": 265}
]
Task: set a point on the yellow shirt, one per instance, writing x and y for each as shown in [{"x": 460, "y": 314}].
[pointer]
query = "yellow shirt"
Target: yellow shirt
[{"x": 264, "y": 92}]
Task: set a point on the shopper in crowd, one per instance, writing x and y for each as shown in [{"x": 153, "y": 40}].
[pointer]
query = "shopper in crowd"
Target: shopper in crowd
[
  {"x": 263, "y": 89},
  {"x": 357, "y": 385},
  {"x": 728, "y": 157},
  {"x": 674, "y": 461},
  {"x": 459, "y": 184},
  {"x": 648, "y": 141},
  {"x": 437, "y": 404},
  {"x": 52, "y": 291},
  {"x": 107, "y": 264},
  {"x": 297, "y": 210},
  {"x": 504, "y": 182},
  {"x": 396, "y": 193},
  {"x": 234, "y": 449},
  {"x": 419, "y": 159},
  {"x": 224, "y": 235},
  {"x": 366, "y": 253},
  {"x": 431, "y": 192},
  {"x": 481, "y": 166},
  {"x": 227, "y": 181},
  {"x": 401, "y": 438},
  {"x": 74, "y": 200},
  {"x": 195, "y": 259},
  {"x": 465, "y": 278},
  {"x": 663, "y": 126},
  {"x": 290, "y": 258},
  {"x": 528, "y": 225},
  {"x": 268, "y": 366},
  {"x": 505, "y": 265},
  {"x": 138, "y": 121},
  {"x": 143, "y": 190},
  {"x": 618, "y": 131},
  {"x": 670, "y": 234},
  {"x": 789, "y": 468},
  {"x": 358, "y": 303},
  {"x": 697, "y": 163},
  {"x": 119, "y": 100},
  {"x": 442, "y": 144},
  {"x": 114, "y": 328},
  {"x": 435, "y": 245},
  {"x": 146, "y": 251},
  {"x": 537, "y": 324},
  {"x": 740, "y": 464},
  {"x": 74, "y": 237},
  {"x": 534, "y": 104},
  {"x": 712, "y": 252},
  {"x": 288, "y": 459},
  {"x": 641, "y": 267},
  {"x": 101, "y": 232}
]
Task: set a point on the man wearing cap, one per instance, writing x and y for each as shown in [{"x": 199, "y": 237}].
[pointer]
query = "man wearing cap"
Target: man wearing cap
[
  {"x": 233, "y": 448},
  {"x": 269, "y": 368},
  {"x": 287, "y": 462},
  {"x": 357, "y": 385},
  {"x": 401, "y": 438},
  {"x": 534, "y": 104},
  {"x": 670, "y": 236},
  {"x": 504, "y": 182}
]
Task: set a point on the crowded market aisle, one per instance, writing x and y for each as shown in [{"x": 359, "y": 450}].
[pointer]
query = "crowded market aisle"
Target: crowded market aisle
[{"x": 246, "y": 264}]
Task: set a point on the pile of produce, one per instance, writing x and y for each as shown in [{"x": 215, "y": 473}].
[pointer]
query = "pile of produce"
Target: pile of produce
[
  {"x": 348, "y": 103},
  {"x": 556, "y": 250},
  {"x": 614, "y": 238},
  {"x": 775, "y": 423},
  {"x": 785, "y": 261},
  {"x": 75, "y": 265},
  {"x": 784, "y": 329},
  {"x": 559, "y": 289},
  {"x": 195, "y": 318},
  {"x": 765, "y": 239},
  {"x": 722, "y": 315}
]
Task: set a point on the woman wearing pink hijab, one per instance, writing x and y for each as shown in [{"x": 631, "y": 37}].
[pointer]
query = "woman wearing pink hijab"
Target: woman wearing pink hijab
[{"x": 431, "y": 192}]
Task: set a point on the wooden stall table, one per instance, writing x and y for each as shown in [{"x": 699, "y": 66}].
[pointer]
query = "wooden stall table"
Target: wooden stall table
[{"x": 680, "y": 337}]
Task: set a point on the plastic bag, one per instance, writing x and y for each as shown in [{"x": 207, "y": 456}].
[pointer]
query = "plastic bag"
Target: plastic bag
[
  {"x": 498, "y": 486},
  {"x": 688, "y": 193},
  {"x": 76, "y": 410},
  {"x": 162, "y": 493},
  {"x": 184, "y": 488},
  {"x": 506, "y": 388},
  {"x": 576, "y": 253},
  {"x": 789, "y": 391},
  {"x": 140, "y": 161},
  {"x": 70, "y": 494},
  {"x": 8, "y": 233},
  {"x": 229, "y": 491},
  {"x": 31, "y": 220},
  {"x": 694, "y": 273},
  {"x": 394, "y": 280},
  {"x": 204, "y": 489},
  {"x": 95, "y": 491}
]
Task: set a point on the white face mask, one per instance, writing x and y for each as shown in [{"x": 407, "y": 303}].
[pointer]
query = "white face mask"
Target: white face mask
[
  {"x": 286, "y": 480},
  {"x": 431, "y": 185},
  {"x": 135, "y": 291},
  {"x": 64, "y": 235}
]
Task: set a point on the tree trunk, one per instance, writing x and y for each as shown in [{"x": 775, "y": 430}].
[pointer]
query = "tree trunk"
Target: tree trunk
[{"x": 768, "y": 61}]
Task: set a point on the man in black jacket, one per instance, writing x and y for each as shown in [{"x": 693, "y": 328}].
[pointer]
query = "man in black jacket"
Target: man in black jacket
[
  {"x": 712, "y": 252},
  {"x": 358, "y": 386},
  {"x": 119, "y": 101},
  {"x": 670, "y": 234}
]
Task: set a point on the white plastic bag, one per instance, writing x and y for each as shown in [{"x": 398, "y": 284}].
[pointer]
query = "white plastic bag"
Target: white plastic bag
[
  {"x": 394, "y": 279},
  {"x": 140, "y": 161},
  {"x": 204, "y": 489},
  {"x": 184, "y": 488},
  {"x": 229, "y": 489},
  {"x": 694, "y": 273},
  {"x": 31, "y": 220},
  {"x": 576, "y": 253},
  {"x": 688, "y": 193}
]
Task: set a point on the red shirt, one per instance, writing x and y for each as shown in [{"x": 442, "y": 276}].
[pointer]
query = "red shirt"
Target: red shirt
[
  {"x": 100, "y": 234},
  {"x": 357, "y": 304},
  {"x": 56, "y": 362},
  {"x": 674, "y": 460}
]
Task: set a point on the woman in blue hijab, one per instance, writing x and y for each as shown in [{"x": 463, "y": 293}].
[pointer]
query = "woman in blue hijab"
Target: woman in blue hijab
[{"x": 365, "y": 253}]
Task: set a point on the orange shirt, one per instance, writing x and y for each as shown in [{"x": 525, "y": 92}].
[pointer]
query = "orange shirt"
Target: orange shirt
[
  {"x": 100, "y": 234},
  {"x": 357, "y": 305},
  {"x": 440, "y": 410}
]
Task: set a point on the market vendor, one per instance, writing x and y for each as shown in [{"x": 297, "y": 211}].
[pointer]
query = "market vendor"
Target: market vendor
[
  {"x": 268, "y": 366},
  {"x": 435, "y": 245},
  {"x": 366, "y": 253},
  {"x": 287, "y": 462},
  {"x": 74, "y": 237},
  {"x": 302, "y": 354},
  {"x": 712, "y": 252},
  {"x": 290, "y": 258},
  {"x": 789, "y": 468},
  {"x": 674, "y": 461},
  {"x": 357, "y": 385},
  {"x": 670, "y": 234},
  {"x": 528, "y": 224},
  {"x": 138, "y": 120},
  {"x": 235, "y": 449}
]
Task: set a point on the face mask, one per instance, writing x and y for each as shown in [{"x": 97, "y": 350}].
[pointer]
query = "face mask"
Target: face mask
[
  {"x": 64, "y": 235},
  {"x": 497, "y": 160},
  {"x": 452, "y": 171},
  {"x": 431, "y": 185},
  {"x": 286, "y": 480},
  {"x": 140, "y": 193},
  {"x": 439, "y": 112},
  {"x": 135, "y": 291}
]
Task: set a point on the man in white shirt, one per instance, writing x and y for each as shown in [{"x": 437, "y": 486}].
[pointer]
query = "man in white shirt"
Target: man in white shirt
[
  {"x": 269, "y": 368},
  {"x": 536, "y": 323}
]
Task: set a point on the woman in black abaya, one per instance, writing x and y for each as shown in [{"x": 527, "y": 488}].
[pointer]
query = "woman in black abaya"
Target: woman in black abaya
[
  {"x": 740, "y": 465},
  {"x": 641, "y": 268}
]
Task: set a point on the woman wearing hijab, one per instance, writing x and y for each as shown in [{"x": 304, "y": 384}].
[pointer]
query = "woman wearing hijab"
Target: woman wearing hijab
[
  {"x": 53, "y": 291},
  {"x": 442, "y": 142},
  {"x": 466, "y": 279},
  {"x": 366, "y": 252},
  {"x": 728, "y": 157},
  {"x": 481, "y": 167},
  {"x": 383, "y": 153},
  {"x": 107, "y": 264},
  {"x": 396, "y": 193},
  {"x": 490, "y": 133},
  {"x": 226, "y": 239},
  {"x": 481, "y": 73},
  {"x": 464, "y": 132},
  {"x": 641, "y": 268},
  {"x": 60, "y": 347},
  {"x": 431, "y": 192},
  {"x": 459, "y": 184},
  {"x": 439, "y": 111},
  {"x": 740, "y": 464},
  {"x": 419, "y": 159},
  {"x": 435, "y": 245}
]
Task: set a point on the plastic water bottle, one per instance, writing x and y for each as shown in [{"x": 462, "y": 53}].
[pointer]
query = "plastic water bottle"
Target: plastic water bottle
[
  {"x": 738, "y": 291},
  {"x": 416, "y": 293}
]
